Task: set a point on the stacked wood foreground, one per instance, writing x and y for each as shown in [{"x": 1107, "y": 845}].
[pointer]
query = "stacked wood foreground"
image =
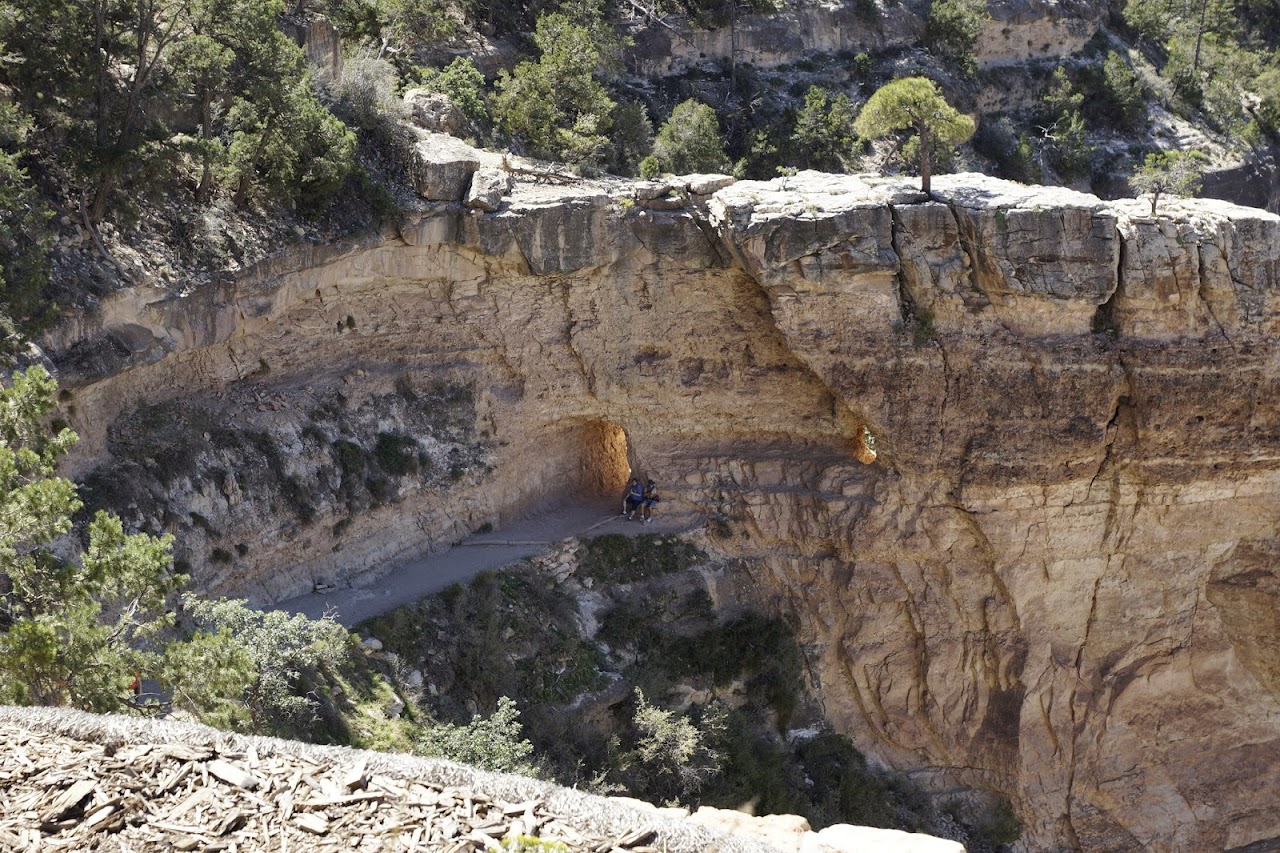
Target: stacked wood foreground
[{"x": 73, "y": 781}]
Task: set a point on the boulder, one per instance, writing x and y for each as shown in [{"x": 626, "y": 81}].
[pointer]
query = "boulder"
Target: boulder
[
  {"x": 646, "y": 190},
  {"x": 707, "y": 184},
  {"x": 435, "y": 112},
  {"x": 488, "y": 186},
  {"x": 441, "y": 167}
]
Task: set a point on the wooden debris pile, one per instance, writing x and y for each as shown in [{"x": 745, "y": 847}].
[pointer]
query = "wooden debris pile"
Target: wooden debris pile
[{"x": 59, "y": 792}]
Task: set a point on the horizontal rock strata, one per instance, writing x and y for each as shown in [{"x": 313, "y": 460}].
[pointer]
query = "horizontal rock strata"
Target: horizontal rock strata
[{"x": 1052, "y": 580}]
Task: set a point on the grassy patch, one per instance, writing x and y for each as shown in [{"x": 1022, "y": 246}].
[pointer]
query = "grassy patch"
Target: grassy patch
[{"x": 615, "y": 558}]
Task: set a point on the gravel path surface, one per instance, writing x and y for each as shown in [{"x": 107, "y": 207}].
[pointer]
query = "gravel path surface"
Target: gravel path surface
[{"x": 477, "y": 553}]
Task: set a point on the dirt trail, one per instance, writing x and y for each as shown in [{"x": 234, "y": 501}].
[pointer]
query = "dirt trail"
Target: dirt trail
[{"x": 477, "y": 553}]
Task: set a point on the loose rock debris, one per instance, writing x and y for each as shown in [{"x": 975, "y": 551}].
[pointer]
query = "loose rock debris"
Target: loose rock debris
[{"x": 62, "y": 793}]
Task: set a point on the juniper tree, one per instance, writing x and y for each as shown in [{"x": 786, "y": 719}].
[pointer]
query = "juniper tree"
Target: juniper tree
[{"x": 73, "y": 630}]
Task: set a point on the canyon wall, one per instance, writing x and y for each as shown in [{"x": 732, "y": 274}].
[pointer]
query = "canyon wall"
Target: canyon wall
[
  {"x": 1054, "y": 578},
  {"x": 1014, "y": 32}
]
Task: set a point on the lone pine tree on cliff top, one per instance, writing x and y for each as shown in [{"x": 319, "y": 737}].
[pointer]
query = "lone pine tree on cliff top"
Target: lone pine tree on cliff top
[{"x": 914, "y": 103}]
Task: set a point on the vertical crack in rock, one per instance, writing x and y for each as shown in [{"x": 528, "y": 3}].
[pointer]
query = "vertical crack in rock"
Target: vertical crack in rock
[
  {"x": 1203, "y": 277},
  {"x": 588, "y": 376},
  {"x": 911, "y": 313}
]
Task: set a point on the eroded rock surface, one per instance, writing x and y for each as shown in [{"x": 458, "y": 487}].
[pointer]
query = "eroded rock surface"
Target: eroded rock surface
[{"x": 1052, "y": 578}]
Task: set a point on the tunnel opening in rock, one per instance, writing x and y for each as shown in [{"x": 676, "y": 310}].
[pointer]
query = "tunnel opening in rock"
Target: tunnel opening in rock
[{"x": 604, "y": 467}]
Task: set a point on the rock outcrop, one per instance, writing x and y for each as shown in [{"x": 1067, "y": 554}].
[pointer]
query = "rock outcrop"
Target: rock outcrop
[
  {"x": 1016, "y": 31},
  {"x": 1053, "y": 579}
]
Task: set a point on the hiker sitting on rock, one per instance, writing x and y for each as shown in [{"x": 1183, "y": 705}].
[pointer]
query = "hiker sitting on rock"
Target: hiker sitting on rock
[
  {"x": 634, "y": 498},
  {"x": 650, "y": 498}
]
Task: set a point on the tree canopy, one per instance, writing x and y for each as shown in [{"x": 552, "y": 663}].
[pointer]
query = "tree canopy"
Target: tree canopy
[
  {"x": 824, "y": 137},
  {"x": 1173, "y": 172},
  {"x": 688, "y": 142},
  {"x": 914, "y": 103},
  {"x": 555, "y": 107},
  {"x": 72, "y": 630},
  {"x": 129, "y": 95}
]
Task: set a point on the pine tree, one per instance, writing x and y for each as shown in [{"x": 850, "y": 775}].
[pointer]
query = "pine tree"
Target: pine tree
[{"x": 914, "y": 103}]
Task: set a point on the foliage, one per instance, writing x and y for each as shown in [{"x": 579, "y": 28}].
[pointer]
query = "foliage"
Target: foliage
[
  {"x": 1012, "y": 151},
  {"x": 1067, "y": 146},
  {"x": 914, "y": 103},
  {"x": 1175, "y": 172},
  {"x": 105, "y": 82},
  {"x": 669, "y": 759},
  {"x": 415, "y": 24},
  {"x": 953, "y": 28},
  {"x": 1000, "y": 826},
  {"x": 1216, "y": 52},
  {"x": 1226, "y": 77},
  {"x": 72, "y": 631},
  {"x": 24, "y": 240},
  {"x": 210, "y": 675},
  {"x": 824, "y": 131},
  {"x": 286, "y": 653},
  {"x": 1159, "y": 20},
  {"x": 464, "y": 84},
  {"x": 688, "y": 142},
  {"x": 490, "y": 743},
  {"x": 554, "y": 107},
  {"x": 396, "y": 454},
  {"x": 1120, "y": 96},
  {"x": 531, "y": 844},
  {"x": 846, "y": 788},
  {"x": 366, "y": 97},
  {"x": 632, "y": 138}
]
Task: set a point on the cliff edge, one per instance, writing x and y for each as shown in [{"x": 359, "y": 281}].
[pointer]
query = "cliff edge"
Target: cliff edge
[{"x": 1007, "y": 453}]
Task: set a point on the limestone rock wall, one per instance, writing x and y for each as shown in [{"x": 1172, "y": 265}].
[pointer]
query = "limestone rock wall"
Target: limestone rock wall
[
  {"x": 1053, "y": 581},
  {"x": 1016, "y": 31}
]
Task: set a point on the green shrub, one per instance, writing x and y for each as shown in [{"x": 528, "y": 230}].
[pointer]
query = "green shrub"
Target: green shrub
[
  {"x": 823, "y": 135},
  {"x": 396, "y": 454},
  {"x": 1010, "y": 150},
  {"x": 846, "y": 790},
  {"x": 350, "y": 458},
  {"x": 490, "y": 743},
  {"x": 25, "y": 240},
  {"x": 1000, "y": 826},
  {"x": 464, "y": 84},
  {"x": 287, "y": 654},
  {"x": 669, "y": 759},
  {"x": 554, "y": 107},
  {"x": 632, "y": 138},
  {"x": 366, "y": 97},
  {"x": 1121, "y": 97},
  {"x": 953, "y": 28},
  {"x": 690, "y": 141}
]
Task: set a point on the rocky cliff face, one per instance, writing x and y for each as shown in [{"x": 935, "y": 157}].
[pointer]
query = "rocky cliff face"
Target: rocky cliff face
[
  {"x": 1017, "y": 31},
  {"x": 1054, "y": 578}
]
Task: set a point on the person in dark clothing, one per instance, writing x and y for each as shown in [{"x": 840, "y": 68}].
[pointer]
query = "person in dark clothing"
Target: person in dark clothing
[
  {"x": 651, "y": 497},
  {"x": 634, "y": 498}
]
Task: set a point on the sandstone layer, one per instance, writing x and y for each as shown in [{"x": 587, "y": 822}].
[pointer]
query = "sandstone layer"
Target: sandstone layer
[{"x": 1055, "y": 578}]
